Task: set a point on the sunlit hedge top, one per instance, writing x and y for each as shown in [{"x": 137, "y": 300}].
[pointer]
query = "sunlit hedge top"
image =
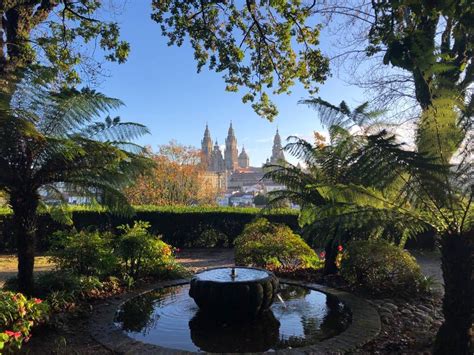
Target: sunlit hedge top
[{"x": 174, "y": 209}]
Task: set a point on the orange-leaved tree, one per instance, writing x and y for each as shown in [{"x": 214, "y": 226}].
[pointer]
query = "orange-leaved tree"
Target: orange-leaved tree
[{"x": 177, "y": 179}]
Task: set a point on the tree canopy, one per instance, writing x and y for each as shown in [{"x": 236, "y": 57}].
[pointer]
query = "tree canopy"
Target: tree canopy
[
  {"x": 178, "y": 178},
  {"x": 57, "y": 33},
  {"x": 263, "y": 46}
]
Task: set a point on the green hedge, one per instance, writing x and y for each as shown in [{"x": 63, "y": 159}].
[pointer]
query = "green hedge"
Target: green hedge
[{"x": 179, "y": 226}]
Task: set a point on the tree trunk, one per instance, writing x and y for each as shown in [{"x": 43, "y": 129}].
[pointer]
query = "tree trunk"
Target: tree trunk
[
  {"x": 330, "y": 267},
  {"x": 456, "y": 260},
  {"x": 24, "y": 205}
]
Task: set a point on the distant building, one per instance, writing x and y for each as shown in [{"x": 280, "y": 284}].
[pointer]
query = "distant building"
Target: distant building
[
  {"x": 232, "y": 172},
  {"x": 231, "y": 161},
  {"x": 215, "y": 181},
  {"x": 241, "y": 199}
]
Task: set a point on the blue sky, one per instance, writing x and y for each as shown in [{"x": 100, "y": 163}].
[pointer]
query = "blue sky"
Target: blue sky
[{"x": 162, "y": 90}]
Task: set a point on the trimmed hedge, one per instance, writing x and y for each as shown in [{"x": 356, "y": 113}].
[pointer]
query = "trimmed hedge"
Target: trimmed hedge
[{"x": 179, "y": 226}]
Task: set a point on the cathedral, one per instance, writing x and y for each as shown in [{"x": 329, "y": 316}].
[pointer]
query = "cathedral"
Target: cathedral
[{"x": 232, "y": 161}]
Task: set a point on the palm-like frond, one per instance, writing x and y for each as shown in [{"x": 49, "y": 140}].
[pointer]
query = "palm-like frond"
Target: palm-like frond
[
  {"x": 54, "y": 139},
  {"x": 370, "y": 184},
  {"x": 342, "y": 116},
  {"x": 112, "y": 129}
]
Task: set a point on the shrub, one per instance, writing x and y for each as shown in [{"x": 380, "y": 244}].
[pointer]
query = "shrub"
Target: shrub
[
  {"x": 84, "y": 252},
  {"x": 141, "y": 252},
  {"x": 67, "y": 281},
  {"x": 381, "y": 268},
  {"x": 134, "y": 252},
  {"x": 18, "y": 315},
  {"x": 210, "y": 238},
  {"x": 273, "y": 246}
]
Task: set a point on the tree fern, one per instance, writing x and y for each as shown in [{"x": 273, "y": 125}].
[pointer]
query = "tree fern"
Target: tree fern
[{"x": 53, "y": 139}]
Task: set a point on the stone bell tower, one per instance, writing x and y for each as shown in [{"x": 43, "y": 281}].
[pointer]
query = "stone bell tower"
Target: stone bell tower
[{"x": 231, "y": 153}]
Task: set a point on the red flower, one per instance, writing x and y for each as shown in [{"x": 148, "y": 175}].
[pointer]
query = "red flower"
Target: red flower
[
  {"x": 16, "y": 335},
  {"x": 340, "y": 248},
  {"x": 37, "y": 300},
  {"x": 322, "y": 254}
]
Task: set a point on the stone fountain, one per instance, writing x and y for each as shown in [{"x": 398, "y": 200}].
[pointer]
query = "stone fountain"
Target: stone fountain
[{"x": 240, "y": 292}]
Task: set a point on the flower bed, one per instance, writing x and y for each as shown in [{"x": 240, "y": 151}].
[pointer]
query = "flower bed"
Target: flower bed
[{"x": 18, "y": 315}]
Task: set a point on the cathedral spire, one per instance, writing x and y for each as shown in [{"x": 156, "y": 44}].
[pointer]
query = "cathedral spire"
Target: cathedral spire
[
  {"x": 206, "y": 148},
  {"x": 231, "y": 130},
  {"x": 277, "y": 150},
  {"x": 231, "y": 152}
]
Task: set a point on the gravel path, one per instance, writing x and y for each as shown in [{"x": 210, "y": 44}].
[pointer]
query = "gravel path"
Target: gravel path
[
  {"x": 430, "y": 263},
  {"x": 9, "y": 264},
  {"x": 199, "y": 259}
]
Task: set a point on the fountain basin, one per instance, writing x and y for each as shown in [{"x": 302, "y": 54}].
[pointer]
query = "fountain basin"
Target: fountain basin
[{"x": 246, "y": 294}]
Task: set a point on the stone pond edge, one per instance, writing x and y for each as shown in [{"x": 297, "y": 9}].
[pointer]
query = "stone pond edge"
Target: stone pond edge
[{"x": 364, "y": 327}]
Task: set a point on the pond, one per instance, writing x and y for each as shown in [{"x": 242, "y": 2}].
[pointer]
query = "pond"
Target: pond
[{"x": 169, "y": 318}]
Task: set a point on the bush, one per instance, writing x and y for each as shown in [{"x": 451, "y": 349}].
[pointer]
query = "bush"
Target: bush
[
  {"x": 18, "y": 315},
  {"x": 84, "y": 252},
  {"x": 210, "y": 238},
  {"x": 65, "y": 280},
  {"x": 381, "y": 268},
  {"x": 86, "y": 255},
  {"x": 141, "y": 252},
  {"x": 273, "y": 246}
]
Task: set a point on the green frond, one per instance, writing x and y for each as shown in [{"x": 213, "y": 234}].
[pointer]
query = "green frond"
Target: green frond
[
  {"x": 342, "y": 116},
  {"x": 329, "y": 114},
  {"x": 54, "y": 139},
  {"x": 112, "y": 129}
]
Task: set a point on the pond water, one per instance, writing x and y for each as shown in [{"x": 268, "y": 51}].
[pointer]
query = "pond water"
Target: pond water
[
  {"x": 225, "y": 275},
  {"x": 169, "y": 317}
]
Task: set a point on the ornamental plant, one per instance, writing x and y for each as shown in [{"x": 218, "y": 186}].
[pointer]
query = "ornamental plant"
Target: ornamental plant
[
  {"x": 84, "y": 252},
  {"x": 381, "y": 268},
  {"x": 141, "y": 252},
  {"x": 273, "y": 246},
  {"x": 18, "y": 315}
]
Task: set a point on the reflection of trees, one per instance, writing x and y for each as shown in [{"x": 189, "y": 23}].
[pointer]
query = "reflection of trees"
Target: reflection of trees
[
  {"x": 336, "y": 319},
  {"x": 136, "y": 315},
  {"x": 315, "y": 329},
  {"x": 213, "y": 335}
]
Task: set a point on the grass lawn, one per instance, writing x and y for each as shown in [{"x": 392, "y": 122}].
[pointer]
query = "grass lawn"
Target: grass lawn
[{"x": 8, "y": 266}]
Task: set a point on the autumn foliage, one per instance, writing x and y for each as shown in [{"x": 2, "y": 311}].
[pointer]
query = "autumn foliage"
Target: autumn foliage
[{"x": 178, "y": 178}]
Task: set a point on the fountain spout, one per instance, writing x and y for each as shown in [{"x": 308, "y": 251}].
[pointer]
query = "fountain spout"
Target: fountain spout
[
  {"x": 233, "y": 273},
  {"x": 281, "y": 300}
]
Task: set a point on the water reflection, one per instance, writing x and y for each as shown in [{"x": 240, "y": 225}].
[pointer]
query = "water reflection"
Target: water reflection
[
  {"x": 169, "y": 318},
  {"x": 214, "y": 335}
]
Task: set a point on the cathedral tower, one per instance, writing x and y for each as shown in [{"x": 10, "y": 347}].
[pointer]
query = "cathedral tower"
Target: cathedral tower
[
  {"x": 217, "y": 162},
  {"x": 231, "y": 153},
  {"x": 244, "y": 161},
  {"x": 206, "y": 148},
  {"x": 277, "y": 150}
]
